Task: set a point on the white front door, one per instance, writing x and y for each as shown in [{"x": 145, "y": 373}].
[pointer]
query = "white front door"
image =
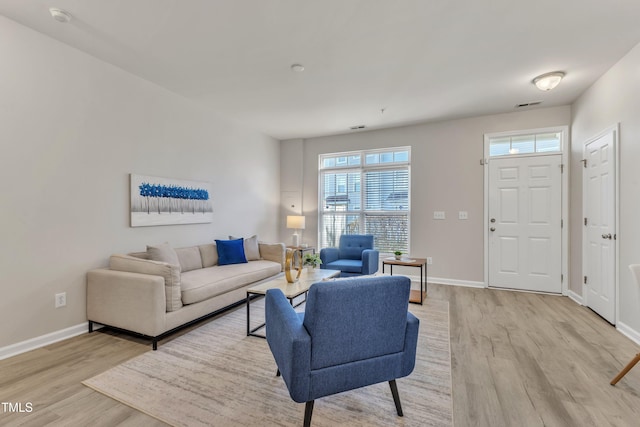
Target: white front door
[
  {"x": 525, "y": 214},
  {"x": 599, "y": 255}
]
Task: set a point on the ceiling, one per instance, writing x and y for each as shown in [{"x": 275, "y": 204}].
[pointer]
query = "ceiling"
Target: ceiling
[{"x": 378, "y": 63}]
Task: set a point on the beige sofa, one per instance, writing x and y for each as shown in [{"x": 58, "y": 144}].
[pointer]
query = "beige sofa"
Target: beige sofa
[{"x": 155, "y": 298}]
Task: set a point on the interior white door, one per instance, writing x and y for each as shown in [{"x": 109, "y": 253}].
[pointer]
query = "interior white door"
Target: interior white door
[
  {"x": 525, "y": 220},
  {"x": 599, "y": 254}
]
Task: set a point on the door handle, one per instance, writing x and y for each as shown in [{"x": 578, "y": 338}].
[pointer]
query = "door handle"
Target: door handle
[
  {"x": 492, "y": 220},
  {"x": 606, "y": 236},
  {"x": 492, "y": 229}
]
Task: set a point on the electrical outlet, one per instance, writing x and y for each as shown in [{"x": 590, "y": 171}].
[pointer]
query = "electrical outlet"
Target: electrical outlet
[
  {"x": 438, "y": 214},
  {"x": 61, "y": 299},
  {"x": 429, "y": 260}
]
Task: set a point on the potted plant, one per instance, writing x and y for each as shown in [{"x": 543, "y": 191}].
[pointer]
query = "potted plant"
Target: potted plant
[
  {"x": 311, "y": 261},
  {"x": 398, "y": 254}
]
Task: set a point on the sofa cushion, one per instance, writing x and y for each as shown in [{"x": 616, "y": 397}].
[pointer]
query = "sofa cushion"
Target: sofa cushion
[
  {"x": 141, "y": 255},
  {"x": 209, "y": 255},
  {"x": 189, "y": 258},
  {"x": 170, "y": 273},
  {"x": 163, "y": 253},
  {"x": 230, "y": 252},
  {"x": 198, "y": 285}
]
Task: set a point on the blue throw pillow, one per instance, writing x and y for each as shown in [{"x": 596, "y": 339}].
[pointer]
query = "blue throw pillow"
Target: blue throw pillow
[{"x": 231, "y": 252}]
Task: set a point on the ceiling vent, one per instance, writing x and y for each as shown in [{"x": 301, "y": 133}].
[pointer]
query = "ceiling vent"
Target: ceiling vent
[
  {"x": 528, "y": 104},
  {"x": 357, "y": 127}
]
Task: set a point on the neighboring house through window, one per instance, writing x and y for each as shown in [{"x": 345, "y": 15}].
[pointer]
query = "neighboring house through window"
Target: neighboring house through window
[{"x": 366, "y": 192}]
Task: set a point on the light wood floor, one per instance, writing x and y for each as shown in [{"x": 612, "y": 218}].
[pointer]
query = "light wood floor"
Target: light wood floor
[{"x": 518, "y": 359}]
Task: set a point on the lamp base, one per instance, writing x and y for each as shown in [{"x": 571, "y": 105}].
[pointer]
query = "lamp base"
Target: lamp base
[{"x": 296, "y": 239}]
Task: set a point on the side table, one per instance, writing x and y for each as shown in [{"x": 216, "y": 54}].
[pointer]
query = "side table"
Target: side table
[
  {"x": 416, "y": 297},
  {"x": 301, "y": 251}
]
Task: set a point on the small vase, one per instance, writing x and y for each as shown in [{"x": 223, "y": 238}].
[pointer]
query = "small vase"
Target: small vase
[
  {"x": 310, "y": 268},
  {"x": 398, "y": 257}
]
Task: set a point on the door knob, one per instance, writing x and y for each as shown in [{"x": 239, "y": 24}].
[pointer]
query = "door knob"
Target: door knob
[
  {"x": 606, "y": 236},
  {"x": 492, "y": 229},
  {"x": 492, "y": 220}
]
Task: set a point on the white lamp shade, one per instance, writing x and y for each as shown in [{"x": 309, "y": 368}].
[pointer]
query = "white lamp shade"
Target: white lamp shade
[{"x": 295, "y": 221}]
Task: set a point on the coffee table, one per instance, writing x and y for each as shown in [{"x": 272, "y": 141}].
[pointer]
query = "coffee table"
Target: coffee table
[{"x": 290, "y": 290}]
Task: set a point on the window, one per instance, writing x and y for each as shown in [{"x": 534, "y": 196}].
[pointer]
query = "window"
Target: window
[
  {"x": 525, "y": 144},
  {"x": 366, "y": 192}
]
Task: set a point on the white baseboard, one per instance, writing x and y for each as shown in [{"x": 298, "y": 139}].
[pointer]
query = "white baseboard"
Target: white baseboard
[
  {"x": 41, "y": 341},
  {"x": 621, "y": 327},
  {"x": 575, "y": 297},
  {"x": 442, "y": 281},
  {"x": 455, "y": 282},
  {"x": 628, "y": 332}
]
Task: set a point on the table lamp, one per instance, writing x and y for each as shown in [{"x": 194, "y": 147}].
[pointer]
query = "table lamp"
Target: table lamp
[{"x": 296, "y": 222}]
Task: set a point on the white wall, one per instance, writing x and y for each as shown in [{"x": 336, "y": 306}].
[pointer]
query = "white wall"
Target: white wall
[
  {"x": 614, "y": 98},
  {"x": 291, "y": 184},
  {"x": 446, "y": 175},
  {"x": 72, "y": 128}
]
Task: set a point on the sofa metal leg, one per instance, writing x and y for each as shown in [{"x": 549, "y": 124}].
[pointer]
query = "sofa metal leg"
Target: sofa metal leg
[
  {"x": 278, "y": 373},
  {"x": 396, "y": 397},
  {"x": 90, "y": 326},
  {"x": 308, "y": 411},
  {"x": 155, "y": 344}
]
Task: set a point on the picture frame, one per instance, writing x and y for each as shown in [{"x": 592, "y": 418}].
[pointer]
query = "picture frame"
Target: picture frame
[{"x": 168, "y": 201}]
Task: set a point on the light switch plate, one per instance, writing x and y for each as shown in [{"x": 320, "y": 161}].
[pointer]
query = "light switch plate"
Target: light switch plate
[
  {"x": 438, "y": 214},
  {"x": 463, "y": 215}
]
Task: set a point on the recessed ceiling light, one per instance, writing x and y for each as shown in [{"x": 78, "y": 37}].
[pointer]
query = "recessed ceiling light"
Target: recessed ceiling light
[
  {"x": 548, "y": 81},
  {"x": 298, "y": 68},
  {"x": 60, "y": 15}
]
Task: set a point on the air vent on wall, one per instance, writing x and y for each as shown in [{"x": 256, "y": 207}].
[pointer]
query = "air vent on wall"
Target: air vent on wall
[
  {"x": 528, "y": 104},
  {"x": 357, "y": 127}
]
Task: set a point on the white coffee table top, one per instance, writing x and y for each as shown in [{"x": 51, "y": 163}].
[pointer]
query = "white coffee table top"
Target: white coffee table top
[{"x": 292, "y": 290}]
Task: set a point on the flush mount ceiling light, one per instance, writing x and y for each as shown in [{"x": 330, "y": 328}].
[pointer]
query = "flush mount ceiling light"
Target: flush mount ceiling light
[
  {"x": 60, "y": 15},
  {"x": 548, "y": 81},
  {"x": 298, "y": 68}
]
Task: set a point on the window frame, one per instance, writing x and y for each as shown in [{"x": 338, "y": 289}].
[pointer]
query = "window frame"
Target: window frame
[
  {"x": 362, "y": 168},
  {"x": 534, "y": 134}
]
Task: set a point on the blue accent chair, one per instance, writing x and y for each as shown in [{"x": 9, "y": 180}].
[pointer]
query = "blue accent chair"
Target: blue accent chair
[
  {"x": 354, "y": 332},
  {"x": 353, "y": 257}
]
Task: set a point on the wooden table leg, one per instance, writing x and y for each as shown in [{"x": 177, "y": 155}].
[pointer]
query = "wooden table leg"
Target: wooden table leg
[{"x": 626, "y": 369}]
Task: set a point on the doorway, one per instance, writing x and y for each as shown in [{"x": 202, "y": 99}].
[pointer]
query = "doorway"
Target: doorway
[
  {"x": 599, "y": 248},
  {"x": 525, "y": 210},
  {"x": 525, "y": 213}
]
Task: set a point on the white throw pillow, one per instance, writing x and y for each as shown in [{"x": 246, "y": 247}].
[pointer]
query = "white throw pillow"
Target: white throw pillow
[{"x": 251, "y": 248}]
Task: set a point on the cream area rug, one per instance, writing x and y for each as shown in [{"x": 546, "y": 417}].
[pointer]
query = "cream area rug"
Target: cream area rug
[{"x": 217, "y": 376}]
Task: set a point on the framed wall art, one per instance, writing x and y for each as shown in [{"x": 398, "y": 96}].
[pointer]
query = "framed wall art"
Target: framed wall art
[{"x": 165, "y": 201}]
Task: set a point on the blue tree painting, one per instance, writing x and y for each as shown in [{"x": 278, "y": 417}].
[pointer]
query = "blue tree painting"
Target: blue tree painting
[
  {"x": 173, "y": 198},
  {"x": 157, "y": 201}
]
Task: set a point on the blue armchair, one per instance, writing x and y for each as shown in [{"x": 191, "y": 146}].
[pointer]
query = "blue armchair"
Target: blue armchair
[
  {"x": 353, "y": 333},
  {"x": 353, "y": 257}
]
